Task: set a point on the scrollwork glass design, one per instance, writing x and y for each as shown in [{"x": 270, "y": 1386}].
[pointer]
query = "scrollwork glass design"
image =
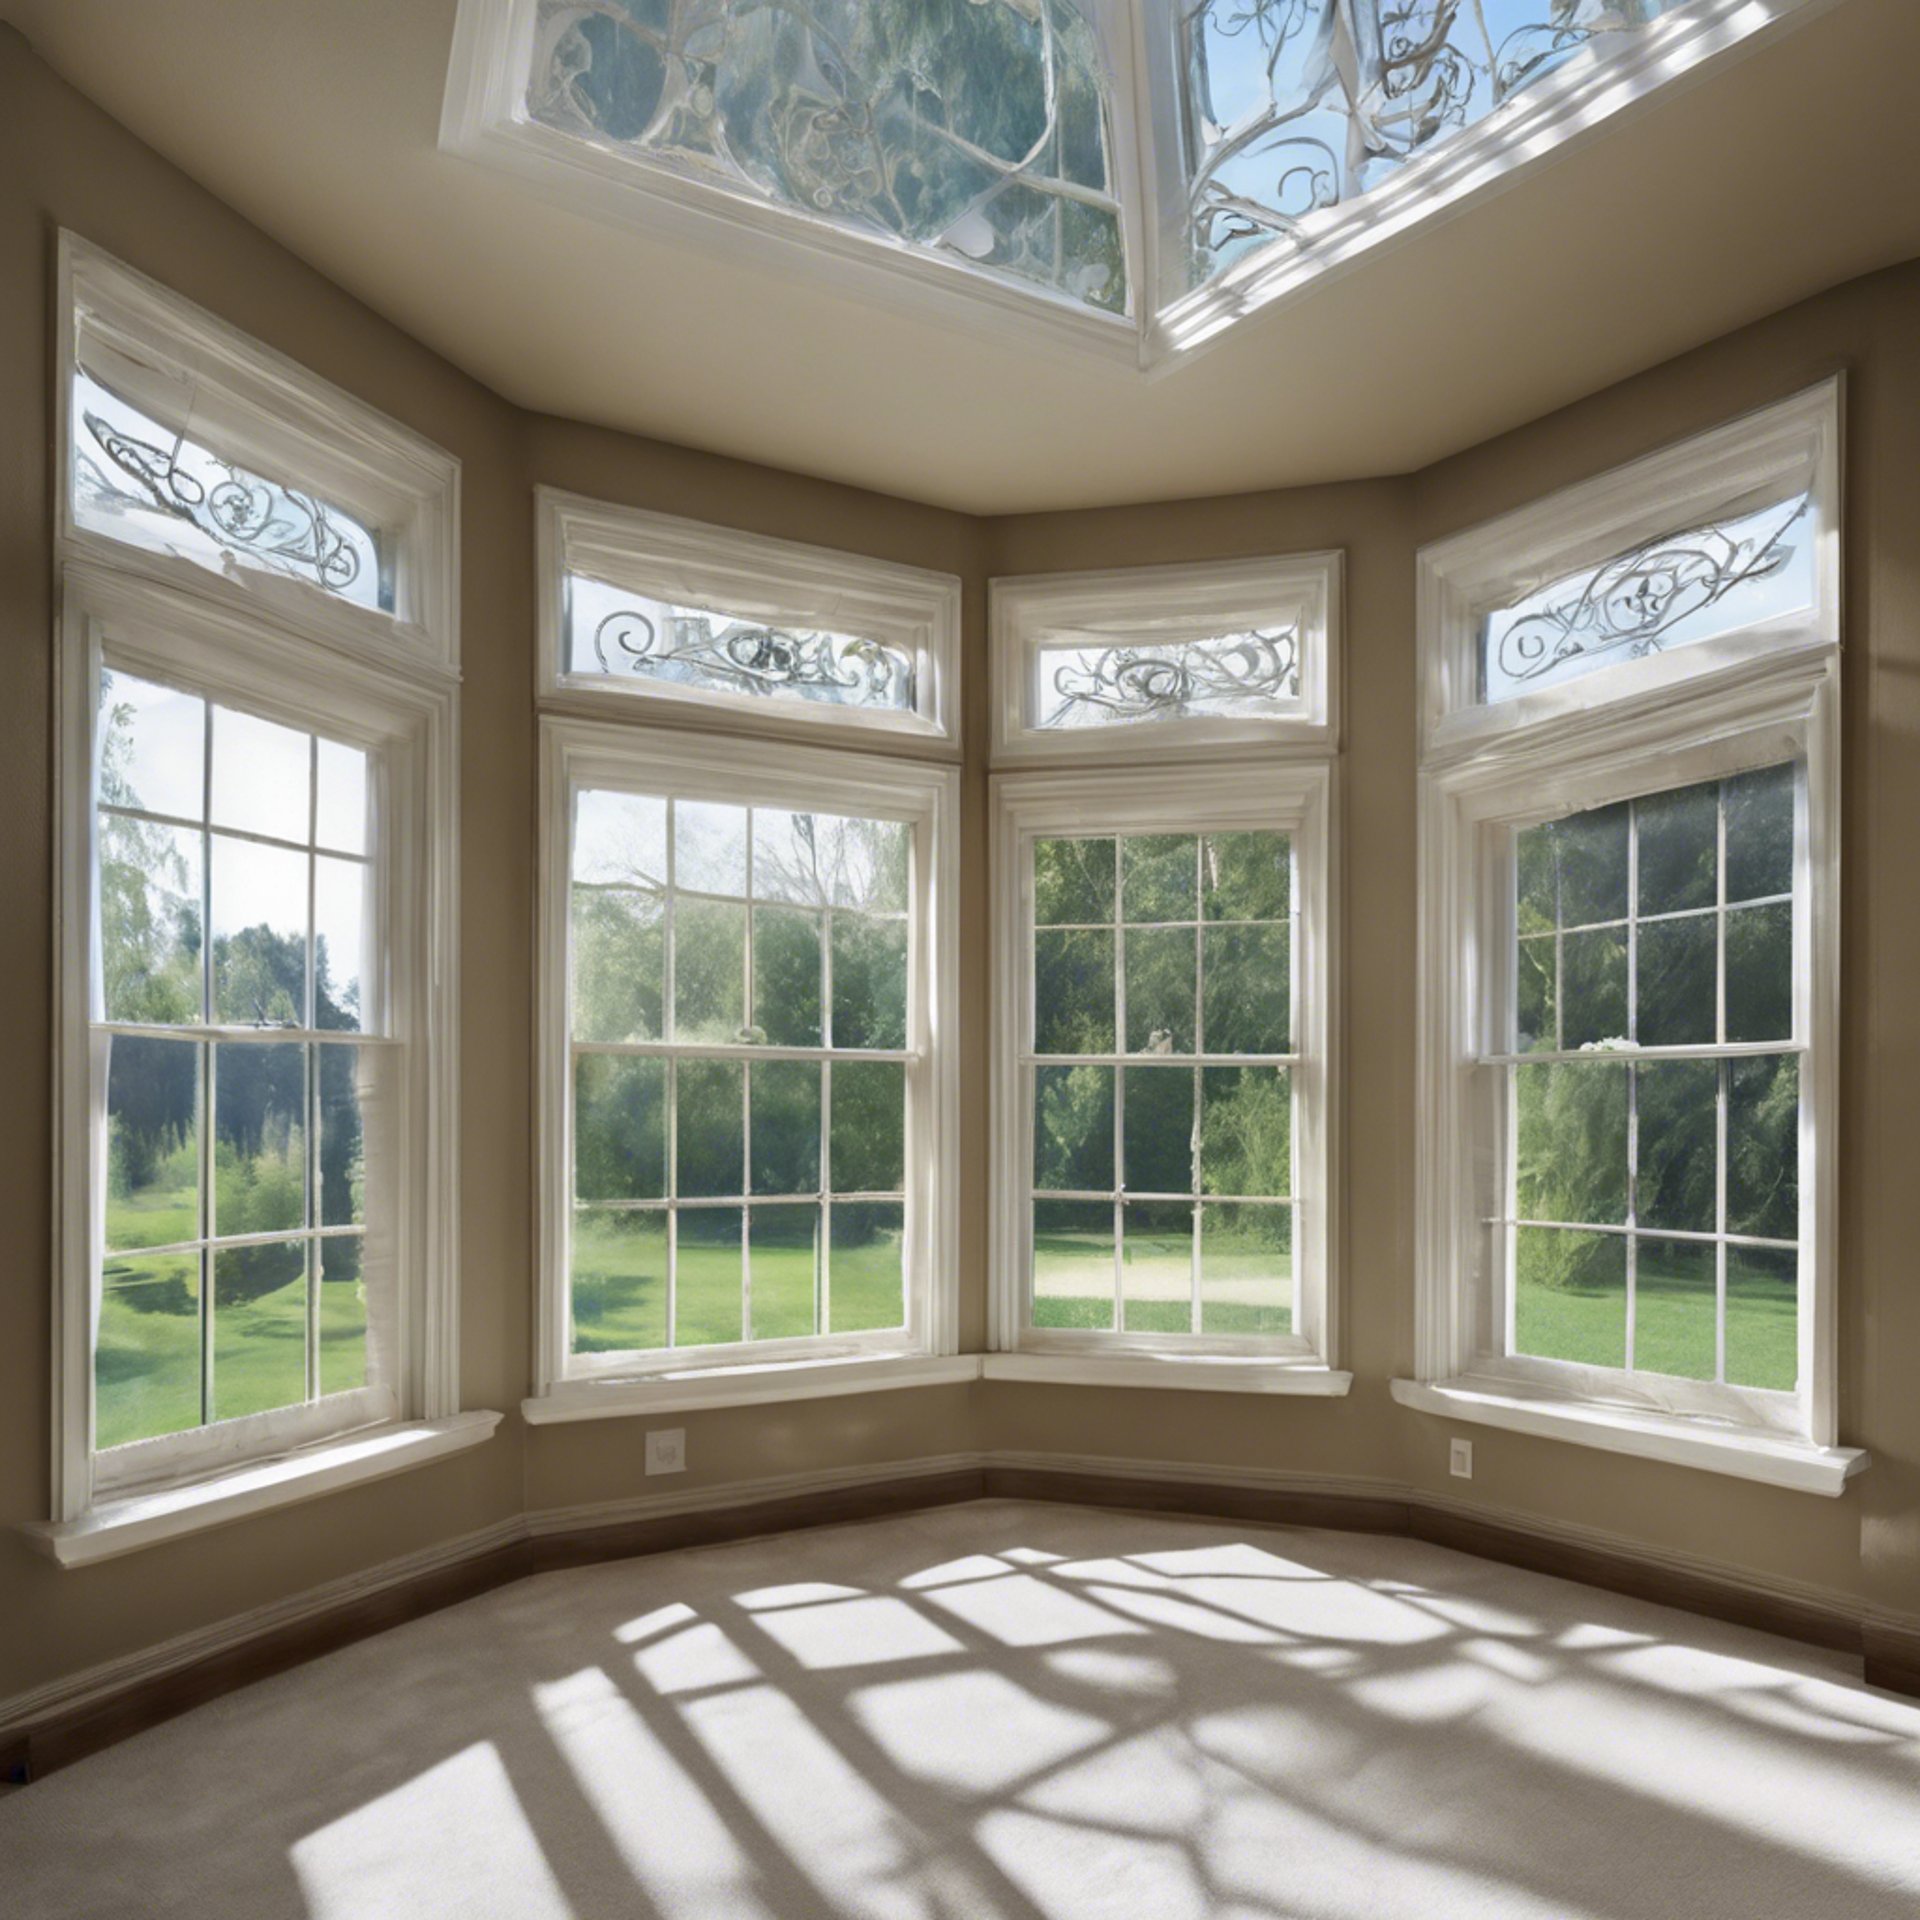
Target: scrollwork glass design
[
  {"x": 135, "y": 479},
  {"x": 1295, "y": 106},
  {"x": 1236, "y": 674},
  {"x": 616, "y": 635},
  {"x": 972, "y": 128},
  {"x": 1663, "y": 594}
]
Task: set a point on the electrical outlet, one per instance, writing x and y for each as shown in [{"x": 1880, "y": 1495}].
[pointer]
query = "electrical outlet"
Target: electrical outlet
[
  {"x": 667, "y": 1450},
  {"x": 1459, "y": 1459}
]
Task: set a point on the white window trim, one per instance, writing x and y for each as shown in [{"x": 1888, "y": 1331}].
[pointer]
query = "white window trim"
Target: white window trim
[
  {"x": 1134, "y": 606},
  {"x": 576, "y": 754},
  {"x": 175, "y": 636},
  {"x": 1299, "y": 800},
  {"x": 1571, "y": 105},
  {"x": 753, "y": 576},
  {"x": 265, "y": 410},
  {"x": 1770, "y": 693},
  {"x": 483, "y": 119}
]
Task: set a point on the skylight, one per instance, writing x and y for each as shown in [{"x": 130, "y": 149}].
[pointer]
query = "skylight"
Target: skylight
[{"x": 1136, "y": 174}]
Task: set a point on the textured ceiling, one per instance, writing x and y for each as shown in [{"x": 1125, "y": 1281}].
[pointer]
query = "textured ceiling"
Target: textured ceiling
[{"x": 1788, "y": 170}]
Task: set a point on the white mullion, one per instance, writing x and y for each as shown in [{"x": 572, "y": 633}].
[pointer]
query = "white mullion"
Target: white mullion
[
  {"x": 235, "y": 833},
  {"x": 1723, "y": 1087},
  {"x": 210, "y": 1090},
  {"x": 823, "y": 1250},
  {"x": 1692, "y": 1235},
  {"x": 246, "y": 1036},
  {"x": 1648, "y": 1056},
  {"x": 1119, "y": 1089},
  {"x": 670, "y": 1027},
  {"x": 1633, "y": 1081},
  {"x": 310, "y": 1068},
  {"x": 746, "y": 1102},
  {"x": 1199, "y": 1039}
]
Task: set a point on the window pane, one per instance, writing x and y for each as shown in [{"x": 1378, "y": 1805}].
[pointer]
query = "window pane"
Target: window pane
[
  {"x": 1073, "y": 992},
  {"x": 709, "y": 970},
  {"x": 866, "y": 1266},
  {"x": 1593, "y": 987},
  {"x": 1246, "y": 1270},
  {"x": 619, "y": 839},
  {"x": 830, "y": 860},
  {"x": 1570, "y": 1296},
  {"x": 150, "y": 922},
  {"x": 1159, "y": 876},
  {"x": 146, "y": 1358},
  {"x": 1571, "y": 1157},
  {"x": 1675, "y": 1308},
  {"x": 1073, "y": 1128},
  {"x": 1536, "y": 854},
  {"x": 259, "y": 935},
  {"x": 1162, "y": 989},
  {"x": 260, "y": 1140},
  {"x": 710, "y": 847},
  {"x": 869, "y": 981},
  {"x": 1760, "y": 810},
  {"x": 1247, "y": 989},
  {"x": 1156, "y": 1268},
  {"x": 1763, "y": 1147},
  {"x": 869, "y": 1149},
  {"x": 1073, "y": 1264},
  {"x": 153, "y": 1142},
  {"x": 619, "y": 963},
  {"x": 784, "y": 1244},
  {"x": 342, "y": 956},
  {"x": 152, "y": 747},
  {"x": 259, "y": 1328},
  {"x": 344, "y": 1073},
  {"x": 708, "y": 1277},
  {"x": 1591, "y": 853},
  {"x": 1678, "y": 982},
  {"x": 1231, "y": 673},
  {"x": 340, "y": 820},
  {"x": 1679, "y": 1121},
  {"x": 1536, "y": 995},
  {"x": 343, "y": 1315},
  {"x": 1072, "y": 882},
  {"x": 619, "y": 1280},
  {"x": 786, "y": 1127},
  {"x": 1760, "y": 973},
  {"x": 620, "y": 1127},
  {"x": 262, "y": 776},
  {"x": 786, "y": 976},
  {"x": 1246, "y": 876},
  {"x": 709, "y": 1128},
  {"x": 1679, "y": 849},
  {"x": 1159, "y": 1129},
  {"x": 1763, "y": 1318},
  {"x": 1246, "y": 1131}
]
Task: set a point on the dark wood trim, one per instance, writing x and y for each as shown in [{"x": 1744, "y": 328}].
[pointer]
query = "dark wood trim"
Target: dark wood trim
[{"x": 1891, "y": 1654}]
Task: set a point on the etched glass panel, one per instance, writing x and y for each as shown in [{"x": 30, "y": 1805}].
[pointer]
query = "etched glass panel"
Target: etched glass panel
[
  {"x": 1081, "y": 682},
  {"x": 1296, "y": 107},
  {"x": 973, "y": 129},
  {"x": 1661, "y": 595},
  {"x": 139, "y": 481}
]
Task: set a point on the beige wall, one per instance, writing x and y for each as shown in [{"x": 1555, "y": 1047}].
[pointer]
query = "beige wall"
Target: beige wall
[{"x": 62, "y": 162}]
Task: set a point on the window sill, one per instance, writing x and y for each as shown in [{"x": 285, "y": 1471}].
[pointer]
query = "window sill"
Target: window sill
[
  {"x": 1777, "y": 1460},
  {"x": 1235, "y": 1373},
  {"x": 167, "y": 1513},
  {"x": 743, "y": 1386}
]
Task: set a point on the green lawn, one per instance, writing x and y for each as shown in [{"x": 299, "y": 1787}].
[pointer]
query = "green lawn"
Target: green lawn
[
  {"x": 1246, "y": 1284},
  {"x": 620, "y": 1278},
  {"x": 1673, "y": 1324}
]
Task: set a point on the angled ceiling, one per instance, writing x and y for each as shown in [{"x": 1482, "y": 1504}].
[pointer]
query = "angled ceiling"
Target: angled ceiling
[{"x": 1782, "y": 172}]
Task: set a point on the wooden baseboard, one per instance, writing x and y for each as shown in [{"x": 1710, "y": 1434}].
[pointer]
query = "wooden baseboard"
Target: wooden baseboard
[{"x": 67, "y": 1722}]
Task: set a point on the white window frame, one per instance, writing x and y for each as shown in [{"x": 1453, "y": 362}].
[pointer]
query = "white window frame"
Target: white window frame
[
  {"x": 298, "y": 655},
  {"x": 1297, "y": 799},
  {"x": 258, "y": 408},
  {"x": 750, "y": 576},
  {"x": 578, "y": 754},
  {"x": 1764, "y": 695},
  {"x": 1160, "y": 605}
]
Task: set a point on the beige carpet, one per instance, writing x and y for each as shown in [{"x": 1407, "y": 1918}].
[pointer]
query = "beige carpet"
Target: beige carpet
[{"x": 1009, "y": 1710}]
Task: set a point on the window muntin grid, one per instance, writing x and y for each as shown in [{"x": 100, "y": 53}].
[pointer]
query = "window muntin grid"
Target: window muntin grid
[
  {"x": 241, "y": 1073},
  {"x": 740, "y": 1012},
  {"x": 1159, "y": 1080},
  {"x": 1083, "y": 682},
  {"x": 1654, "y": 1091}
]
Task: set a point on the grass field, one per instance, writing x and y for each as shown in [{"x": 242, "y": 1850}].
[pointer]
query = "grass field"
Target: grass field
[
  {"x": 1673, "y": 1324},
  {"x": 620, "y": 1277},
  {"x": 1246, "y": 1284}
]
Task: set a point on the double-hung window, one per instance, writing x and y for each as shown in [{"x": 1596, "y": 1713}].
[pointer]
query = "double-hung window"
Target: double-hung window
[
  {"x": 747, "y": 997},
  {"x": 255, "y": 942},
  {"x": 1630, "y": 834},
  {"x": 1164, "y": 1068}
]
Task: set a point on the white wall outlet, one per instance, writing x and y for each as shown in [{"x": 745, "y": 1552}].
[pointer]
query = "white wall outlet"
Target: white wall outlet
[
  {"x": 667, "y": 1450},
  {"x": 1459, "y": 1458}
]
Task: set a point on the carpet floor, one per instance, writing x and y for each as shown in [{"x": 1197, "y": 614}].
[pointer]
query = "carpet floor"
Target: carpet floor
[{"x": 1011, "y": 1712}]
